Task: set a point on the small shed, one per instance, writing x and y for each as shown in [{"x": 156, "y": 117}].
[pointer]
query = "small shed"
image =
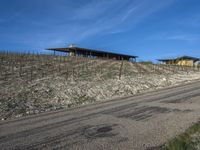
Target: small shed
[{"x": 182, "y": 61}]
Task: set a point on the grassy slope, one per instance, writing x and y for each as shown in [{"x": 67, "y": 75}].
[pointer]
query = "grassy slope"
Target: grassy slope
[
  {"x": 190, "y": 140},
  {"x": 36, "y": 83}
]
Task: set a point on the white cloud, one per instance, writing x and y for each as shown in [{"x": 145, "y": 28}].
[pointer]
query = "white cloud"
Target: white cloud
[
  {"x": 129, "y": 13},
  {"x": 175, "y": 37},
  {"x": 184, "y": 37},
  {"x": 85, "y": 21}
]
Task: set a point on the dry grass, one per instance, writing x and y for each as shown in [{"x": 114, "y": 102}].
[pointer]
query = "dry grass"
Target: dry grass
[{"x": 37, "y": 83}]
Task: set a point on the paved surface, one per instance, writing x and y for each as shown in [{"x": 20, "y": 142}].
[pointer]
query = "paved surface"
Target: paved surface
[{"x": 144, "y": 121}]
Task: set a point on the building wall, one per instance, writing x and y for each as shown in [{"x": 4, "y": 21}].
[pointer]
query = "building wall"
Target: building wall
[
  {"x": 71, "y": 54},
  {"x": 197, "y": 63},
  {"x": 186, "y": 63},
  {"x": 100, "y": 55},
  {"x": 181, "y": 63}
]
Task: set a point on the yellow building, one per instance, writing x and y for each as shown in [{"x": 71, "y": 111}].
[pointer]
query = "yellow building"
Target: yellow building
[{"x": 182, "y": 61}]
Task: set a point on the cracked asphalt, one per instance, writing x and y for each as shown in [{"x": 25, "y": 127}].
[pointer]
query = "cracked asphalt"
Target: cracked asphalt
[{"x": 141, "y": 122}]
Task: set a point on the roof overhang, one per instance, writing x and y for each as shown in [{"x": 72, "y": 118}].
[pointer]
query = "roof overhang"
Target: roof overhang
[
  {"x": 180, "y": 58},
  {"x": 73, "y": 49}
]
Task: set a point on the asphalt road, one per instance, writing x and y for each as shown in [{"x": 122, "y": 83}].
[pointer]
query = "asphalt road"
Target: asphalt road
[{"x": 143, "y": 121}]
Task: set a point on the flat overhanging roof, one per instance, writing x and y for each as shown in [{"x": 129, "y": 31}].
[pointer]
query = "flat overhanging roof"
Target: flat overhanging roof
[
  {"x": 180, "y": 58},
  {"x": 188, "y": 58},
  {"x": 165, "y": 60},
  {"x": 73, "y": 49}
]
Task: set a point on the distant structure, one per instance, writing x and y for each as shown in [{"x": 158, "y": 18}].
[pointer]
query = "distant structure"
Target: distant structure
[
  {"x": 183, "y": 61},
  {"x": 73, "y": 50}
]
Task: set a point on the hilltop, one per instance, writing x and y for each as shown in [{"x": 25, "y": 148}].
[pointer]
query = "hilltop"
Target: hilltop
[{"x": 32, "y": 84}]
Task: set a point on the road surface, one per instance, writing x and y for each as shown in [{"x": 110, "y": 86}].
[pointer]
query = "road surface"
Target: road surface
[{"x": 143, "y": 121}]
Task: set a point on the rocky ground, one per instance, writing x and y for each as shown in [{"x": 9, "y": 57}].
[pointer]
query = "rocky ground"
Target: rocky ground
[{"x": 36, "y": 83}]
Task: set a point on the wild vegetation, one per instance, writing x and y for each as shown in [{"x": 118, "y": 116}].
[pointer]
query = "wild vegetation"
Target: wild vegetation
[
  {"x": 190, "y": 140},
  {"x": 33, "y": 83}
]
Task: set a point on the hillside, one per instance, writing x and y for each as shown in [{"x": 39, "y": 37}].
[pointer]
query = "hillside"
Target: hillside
[{"x": 36, "y": 83}]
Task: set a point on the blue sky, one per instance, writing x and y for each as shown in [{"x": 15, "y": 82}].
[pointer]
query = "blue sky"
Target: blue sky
[{"x": 150, "y": 29}]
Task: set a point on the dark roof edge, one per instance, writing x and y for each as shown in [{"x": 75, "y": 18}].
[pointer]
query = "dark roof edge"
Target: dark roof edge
[
  {"x": 179, "y": 58},
  {"x": 92, "y": 50}
]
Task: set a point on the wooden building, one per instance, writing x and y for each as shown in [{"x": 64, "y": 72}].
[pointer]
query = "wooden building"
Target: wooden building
[
  {"x": 182, "y": 61},
  {"x": 85, "y": 52}
]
